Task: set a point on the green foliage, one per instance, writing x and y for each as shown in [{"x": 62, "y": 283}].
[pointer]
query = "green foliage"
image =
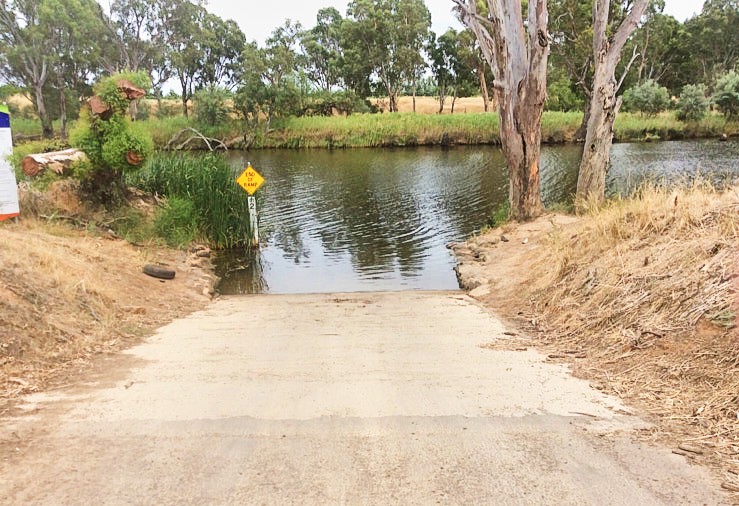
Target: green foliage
[
  {"x": 8, "y": 90},
  {"x": 107, "y": 89},
  {"x": 211, "y": 108},
  {"x": 726, "y": 94},
  {"x": 648, "y": 98},
  {"x": 176, "y": 222},
  {"x": 114, "y": 145},
  {"x": 561, "y": 96},
  {"x": 693, "y": 104},
  {"x": 208, "y": 183}
]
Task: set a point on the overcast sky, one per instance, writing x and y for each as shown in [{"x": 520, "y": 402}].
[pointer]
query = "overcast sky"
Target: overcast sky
[{"x": 258, "y": 18}]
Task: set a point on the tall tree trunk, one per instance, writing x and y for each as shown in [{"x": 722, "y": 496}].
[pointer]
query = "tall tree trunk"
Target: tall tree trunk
[
  {"x": 184, "y": 105},
  {"x": 583, "y": 129},
  {"x": 62, "y": 111},
  {"x": 454, "y": 100},
  {"x": 47, "y": 128},
  {"x": 483, "y": 87},
  {"x": 595, "y": 162},
  {"x": 520, "y": 71},
  {"x": 414, "y": 95},
  {"x": 393, "y": 101},
  {"x": 591, "y": 179}
]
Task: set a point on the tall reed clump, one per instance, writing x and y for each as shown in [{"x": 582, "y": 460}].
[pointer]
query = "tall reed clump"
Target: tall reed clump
[{"x": 219, "y": 205}]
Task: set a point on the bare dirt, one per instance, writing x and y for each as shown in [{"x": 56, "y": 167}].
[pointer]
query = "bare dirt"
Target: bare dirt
[
  {"x": 68, "y": 297},
  {"x": 640, "y": 298}
]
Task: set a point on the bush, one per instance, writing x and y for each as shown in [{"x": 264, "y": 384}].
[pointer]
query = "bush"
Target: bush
[
  {"x": 113, "y": 145},
  {"x": 693, "y": 104},
  {"x": 210, "y": 106},
  {"x": 726, "y": 94},
  {"x": 648, "y": 98}
]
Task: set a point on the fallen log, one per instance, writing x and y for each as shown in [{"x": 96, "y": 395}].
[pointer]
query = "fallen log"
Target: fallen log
[{"x": 56, "y": 161}]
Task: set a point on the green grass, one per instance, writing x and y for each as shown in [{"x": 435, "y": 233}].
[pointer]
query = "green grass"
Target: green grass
[
  {"x": 409, "y": 129},
  {"x": 218, "y": 205}
]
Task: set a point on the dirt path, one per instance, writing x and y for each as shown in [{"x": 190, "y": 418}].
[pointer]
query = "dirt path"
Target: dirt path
[{"x": 382, "y": 398}]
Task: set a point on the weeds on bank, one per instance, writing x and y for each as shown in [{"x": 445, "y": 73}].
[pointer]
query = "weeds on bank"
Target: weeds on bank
[{"x": 202, "y": 197}]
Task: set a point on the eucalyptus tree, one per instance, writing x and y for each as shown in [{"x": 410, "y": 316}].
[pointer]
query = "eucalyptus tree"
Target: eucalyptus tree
[
  {"x": 185, "y": 42},
  {"x": 45, "y": 45},
  {"x": 76, "y": 32},
  {"x": 604, "y": 103},
  {"x": 471, "y": 57},
  {"x": 517, "y": 52},
  {"x": 710, "y": 48},
  {"x": 268, "y": 83},
  {"x": 385, "y": 39},
  {"x": 452, "y": 64},
  {"x": 131, "y": 27},
  {"x": 442, "y": 54},
  {"x": 323, "y": 56},
  {"x": 223, "y": 43},
  {"x": 27, "y": 53}
]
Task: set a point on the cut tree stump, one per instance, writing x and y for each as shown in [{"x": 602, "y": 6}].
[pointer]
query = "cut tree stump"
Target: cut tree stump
[{"x": 57, "y": 161}]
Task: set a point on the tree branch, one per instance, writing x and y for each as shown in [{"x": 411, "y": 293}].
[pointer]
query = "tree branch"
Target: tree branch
[{"x": 634, "y": 56}]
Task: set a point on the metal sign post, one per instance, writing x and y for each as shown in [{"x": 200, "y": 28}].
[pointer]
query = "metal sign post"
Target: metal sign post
[
  {"x": 253, "y": 221},
  {"x": 250, "y": 180}
]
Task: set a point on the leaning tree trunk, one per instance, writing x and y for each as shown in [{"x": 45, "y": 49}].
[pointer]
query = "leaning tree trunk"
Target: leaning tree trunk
[
  {"x": 483, "y": 87},
  {"x": 596, "y": 158},
  {"x": 47, "y": 129},
  {"x": 591, "y": 180},
  {"x": 520, "y": 71}
]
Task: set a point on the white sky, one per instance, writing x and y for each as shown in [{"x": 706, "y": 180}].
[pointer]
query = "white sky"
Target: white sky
[{"x": 258, "y": 19}]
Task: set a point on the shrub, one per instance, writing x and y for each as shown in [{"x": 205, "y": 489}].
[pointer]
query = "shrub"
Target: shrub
[
  {"x": 648, "y": 98},
  {"x": 113, "y": 144},
  {"x": 693, "y": 104},
  {"x": 726, "y": 94},
  {"x": 210, "y": 106}
]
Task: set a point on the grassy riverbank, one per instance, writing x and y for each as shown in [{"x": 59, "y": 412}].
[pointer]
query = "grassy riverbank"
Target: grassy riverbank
[{"x": 408, "y": 129}]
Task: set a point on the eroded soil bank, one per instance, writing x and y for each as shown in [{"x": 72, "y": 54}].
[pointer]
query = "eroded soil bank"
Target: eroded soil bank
[
  {"x": 68, "y": 296},
  {"x": 640, "y": 298}
]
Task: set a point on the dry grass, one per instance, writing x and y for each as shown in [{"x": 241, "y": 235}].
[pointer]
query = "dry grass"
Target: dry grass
[
  {"x": 67, "y": 296},
  {"x": 648, "y": 289},
  {"x": 641, "y": 297}
]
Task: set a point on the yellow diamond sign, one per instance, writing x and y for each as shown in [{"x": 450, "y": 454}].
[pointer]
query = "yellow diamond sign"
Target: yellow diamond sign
[{"x": 250, "y": 180}]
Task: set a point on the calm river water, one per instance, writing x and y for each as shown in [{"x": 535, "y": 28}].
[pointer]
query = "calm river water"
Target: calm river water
[{"x": 379, "y": 219}]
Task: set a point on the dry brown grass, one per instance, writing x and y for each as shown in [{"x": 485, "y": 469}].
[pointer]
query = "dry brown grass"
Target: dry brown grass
[
  {"x": 641, "y": 297},
  {"x": 67, "y": 296},
  {"x": 430, "y": 105}
]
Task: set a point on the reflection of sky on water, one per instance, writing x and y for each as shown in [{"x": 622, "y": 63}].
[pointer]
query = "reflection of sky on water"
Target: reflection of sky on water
[{"x": 379, "y": 219}]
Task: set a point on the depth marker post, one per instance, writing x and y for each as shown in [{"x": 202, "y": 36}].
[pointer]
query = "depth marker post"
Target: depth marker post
[{"x": 250, "y": 180}]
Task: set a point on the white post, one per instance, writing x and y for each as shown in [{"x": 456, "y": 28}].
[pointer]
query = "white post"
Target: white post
[{"x": 253, "y": 221}]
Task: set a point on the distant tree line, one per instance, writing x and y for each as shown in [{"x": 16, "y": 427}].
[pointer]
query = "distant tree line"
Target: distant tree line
[{"x": 54, "y": 50}]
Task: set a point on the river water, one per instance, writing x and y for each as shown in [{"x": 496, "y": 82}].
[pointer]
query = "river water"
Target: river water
[{"x": 380, "y": 219}]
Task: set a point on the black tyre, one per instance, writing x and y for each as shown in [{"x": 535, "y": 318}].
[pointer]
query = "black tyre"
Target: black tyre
[{"x": 159, "y": 271}]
